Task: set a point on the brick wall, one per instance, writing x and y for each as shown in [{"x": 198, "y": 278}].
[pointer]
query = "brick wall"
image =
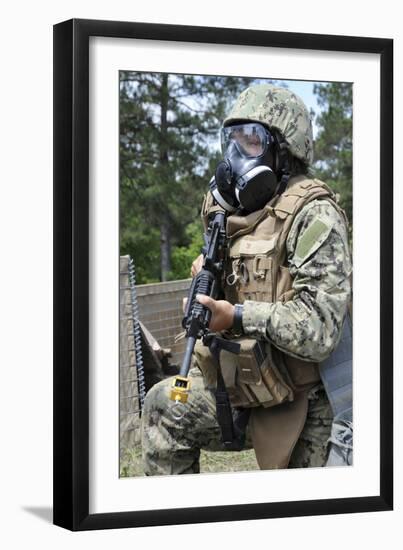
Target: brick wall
[{"x": 160, "y": 309}]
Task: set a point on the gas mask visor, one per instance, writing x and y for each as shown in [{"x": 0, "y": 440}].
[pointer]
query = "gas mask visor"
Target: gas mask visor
[{"x": 251, "y": 139}]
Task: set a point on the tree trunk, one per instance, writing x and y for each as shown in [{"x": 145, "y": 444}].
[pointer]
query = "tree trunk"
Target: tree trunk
[
  {"x": 165, "y": 227},
  {"x": 165, "y": 250}
]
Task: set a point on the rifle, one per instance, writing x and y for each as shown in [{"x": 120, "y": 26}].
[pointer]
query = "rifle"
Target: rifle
[{"x": 197, "y": 317}]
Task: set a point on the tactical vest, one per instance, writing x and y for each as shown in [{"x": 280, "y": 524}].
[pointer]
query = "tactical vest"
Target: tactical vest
[{"x": 256, "y": 269}]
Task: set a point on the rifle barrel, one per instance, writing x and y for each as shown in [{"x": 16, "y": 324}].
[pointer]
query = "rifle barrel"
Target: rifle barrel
[{"x": 191, "y": 341}]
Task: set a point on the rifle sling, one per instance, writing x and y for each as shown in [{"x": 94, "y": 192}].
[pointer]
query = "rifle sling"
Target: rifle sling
[{"x": 232, "y": 424}]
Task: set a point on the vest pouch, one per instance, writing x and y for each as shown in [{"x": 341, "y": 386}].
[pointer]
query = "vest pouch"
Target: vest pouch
[
  {"x": 250, "y": 268},
  {"x": 251, "y": 378},
  {"x": 302, "y": 373},
  {"x": 203, "y": 359}
]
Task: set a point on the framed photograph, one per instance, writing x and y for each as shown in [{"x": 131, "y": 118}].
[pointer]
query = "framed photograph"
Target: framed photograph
[{"x": 150, "y": 122}]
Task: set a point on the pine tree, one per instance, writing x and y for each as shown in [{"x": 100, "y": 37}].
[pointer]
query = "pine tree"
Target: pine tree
[
  {"x": 333, "y": 145},
  {"x": 167, "y": 126}
]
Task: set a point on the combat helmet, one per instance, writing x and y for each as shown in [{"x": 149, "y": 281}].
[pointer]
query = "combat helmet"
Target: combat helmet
[{"x": 279, "y": 109}]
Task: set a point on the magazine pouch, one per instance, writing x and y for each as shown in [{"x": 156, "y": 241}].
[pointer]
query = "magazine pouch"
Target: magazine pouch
[{"x": 251, "y": 377}]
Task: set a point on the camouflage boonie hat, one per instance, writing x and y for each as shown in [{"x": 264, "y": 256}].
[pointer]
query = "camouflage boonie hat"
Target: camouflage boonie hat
[{"x": 280, "y": 109}]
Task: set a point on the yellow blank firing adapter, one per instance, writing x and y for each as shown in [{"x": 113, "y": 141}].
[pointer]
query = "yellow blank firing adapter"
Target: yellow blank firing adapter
[{"x": 180, "y": 389}]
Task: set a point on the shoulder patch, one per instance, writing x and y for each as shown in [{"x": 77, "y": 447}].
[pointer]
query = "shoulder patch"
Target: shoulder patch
[{"x": 311, "y": 239}]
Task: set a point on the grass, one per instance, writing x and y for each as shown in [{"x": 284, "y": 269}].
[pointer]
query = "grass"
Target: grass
[
  {"x": 210, "y": 462},
  {"x": 227, "y": 461}
]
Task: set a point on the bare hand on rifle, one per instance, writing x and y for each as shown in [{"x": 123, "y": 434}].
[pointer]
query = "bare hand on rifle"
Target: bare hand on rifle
[{"x": 222, "y": 311}]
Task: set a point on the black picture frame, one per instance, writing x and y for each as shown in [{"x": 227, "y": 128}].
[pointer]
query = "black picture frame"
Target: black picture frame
[{"x": 71, "y": 273}]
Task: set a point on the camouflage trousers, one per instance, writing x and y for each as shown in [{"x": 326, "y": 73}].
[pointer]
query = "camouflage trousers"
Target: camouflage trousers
[{"x": 173, "y": 433}]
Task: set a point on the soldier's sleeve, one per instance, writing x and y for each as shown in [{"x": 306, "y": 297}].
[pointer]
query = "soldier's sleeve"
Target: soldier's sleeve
[{"x": 309, "y": 325}]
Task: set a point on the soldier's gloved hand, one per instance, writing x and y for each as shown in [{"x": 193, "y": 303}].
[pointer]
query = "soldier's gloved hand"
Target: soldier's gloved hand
[
  {"x": 222, "y": 312},
  {"x": 196, "y": 265}
]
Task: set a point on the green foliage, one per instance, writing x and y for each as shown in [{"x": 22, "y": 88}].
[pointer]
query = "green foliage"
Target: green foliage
[
  {"x": 183, "y": 256},
  {"x": 333, "y": 145},
  {"x": 168, "y": 124}
]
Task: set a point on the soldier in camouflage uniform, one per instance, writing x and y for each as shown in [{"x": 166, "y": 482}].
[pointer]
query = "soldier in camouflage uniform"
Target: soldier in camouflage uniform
[{"x": 298, "y": 309}]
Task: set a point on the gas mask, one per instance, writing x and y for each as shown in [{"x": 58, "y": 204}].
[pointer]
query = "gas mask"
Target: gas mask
[{"x": 245, "y": 177}]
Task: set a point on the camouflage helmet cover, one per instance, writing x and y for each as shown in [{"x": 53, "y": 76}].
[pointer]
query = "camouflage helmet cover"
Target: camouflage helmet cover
[{"x": 280, "y": 109}]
